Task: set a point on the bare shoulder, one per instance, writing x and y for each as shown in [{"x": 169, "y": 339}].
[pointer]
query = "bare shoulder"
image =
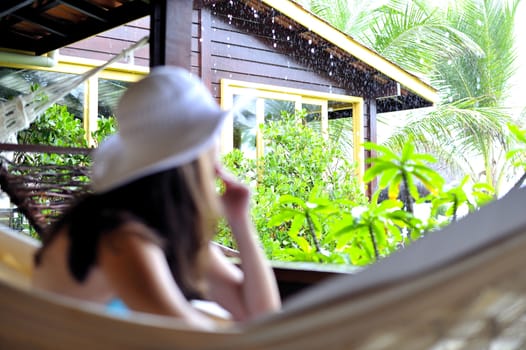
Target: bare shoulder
[
  {"x": 128, "y": 235},
  {"x": 128, "y": 248},
  {"x": 138, "y": 272}
]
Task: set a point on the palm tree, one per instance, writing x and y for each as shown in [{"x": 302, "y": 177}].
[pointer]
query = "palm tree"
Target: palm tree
[
  {"x": 468, "y": 131},
  {"x": 465, "y": 49}
]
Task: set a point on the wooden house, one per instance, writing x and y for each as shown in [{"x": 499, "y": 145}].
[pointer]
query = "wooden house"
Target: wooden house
[{"x": 265, "y": 54}]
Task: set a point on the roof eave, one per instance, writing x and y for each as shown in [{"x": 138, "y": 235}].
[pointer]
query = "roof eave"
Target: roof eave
[{"x": 354, "y": 48}]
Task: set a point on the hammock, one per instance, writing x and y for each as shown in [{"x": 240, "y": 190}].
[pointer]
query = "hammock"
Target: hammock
[
  {"x": 41, "y": 193},
  {"x": 463, "y": 287},
  {"x": 18, "y": 113}
]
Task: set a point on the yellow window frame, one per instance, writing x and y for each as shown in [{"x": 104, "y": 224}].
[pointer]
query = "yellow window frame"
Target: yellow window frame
[
  {"x": 230, "y": 87},
  {"x": 79, "y": 65}
]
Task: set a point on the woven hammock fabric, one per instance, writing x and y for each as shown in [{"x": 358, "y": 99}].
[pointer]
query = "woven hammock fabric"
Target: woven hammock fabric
[
  {"x": 42, "y": 192},
  {"x": 463, "y": 287},
  {"x": 18, "y": 113}
]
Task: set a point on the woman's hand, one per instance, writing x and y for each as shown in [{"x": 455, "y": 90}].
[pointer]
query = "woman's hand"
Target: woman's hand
[
  {"x": 236, "y": 197},
  {"x": 256, "y": 288}
]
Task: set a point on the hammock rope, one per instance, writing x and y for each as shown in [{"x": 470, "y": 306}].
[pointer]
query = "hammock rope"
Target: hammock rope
[
  {"x": 42, "y": 192},
  {"x": 18, "y": 113}
]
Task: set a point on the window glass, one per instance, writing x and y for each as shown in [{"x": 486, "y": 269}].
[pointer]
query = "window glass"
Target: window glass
[
  {"x": 247, "y": 118},
  {"x": 341, "y": 126},
  {"x": 313, "y": 112},
  {"x": 245, "y": 127},
  {"x": 110, "y": 92},
  {"x": 334, "y": 116},
  {"x": 274, "y": 108}
]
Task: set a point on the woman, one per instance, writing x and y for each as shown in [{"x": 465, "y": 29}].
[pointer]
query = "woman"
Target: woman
[{"x": 144, "y": 235}]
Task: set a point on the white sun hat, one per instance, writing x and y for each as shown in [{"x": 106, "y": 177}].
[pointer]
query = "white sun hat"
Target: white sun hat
[{"x": 165, "y": 120}]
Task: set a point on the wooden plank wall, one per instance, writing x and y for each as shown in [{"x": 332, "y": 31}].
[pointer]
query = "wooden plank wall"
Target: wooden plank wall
[
  {"x": 222, "y": 49},
  {"x": 240, "y": 55},
  {"x": 230, "y": 51},
  {"x": 105, "y": 45}
]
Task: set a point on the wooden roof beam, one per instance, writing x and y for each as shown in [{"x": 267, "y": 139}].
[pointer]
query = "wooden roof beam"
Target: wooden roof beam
[
  {"x": 8, "y": 7},
  {"x": 48, "y": 25},
  {"x": 88, "y": 9}
]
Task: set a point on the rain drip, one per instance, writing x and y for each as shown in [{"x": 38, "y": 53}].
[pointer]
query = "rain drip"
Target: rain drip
[{"x": 300, "y": 52}]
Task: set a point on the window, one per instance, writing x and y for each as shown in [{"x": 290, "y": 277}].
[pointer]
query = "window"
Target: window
[
  {"x": 96, "y": 97},
  {"x": 337, "y": 116}
]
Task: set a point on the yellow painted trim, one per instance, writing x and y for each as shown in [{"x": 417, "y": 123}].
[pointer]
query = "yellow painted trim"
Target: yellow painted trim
[
  {"x": 358, "y": 149},
  {"x": 263, "y": 88},
  {"x": 230, "y": 87},
  {"x": 116, "y": 71},
  {"x": 274, "y": 95},
  {"x": 78, "y": 65},
  {"x": 227, "y": 132},
  {"x": 351, "y": 46},
  {"x": 91, "y": 103},
  {"x": 260, "y": 120}
]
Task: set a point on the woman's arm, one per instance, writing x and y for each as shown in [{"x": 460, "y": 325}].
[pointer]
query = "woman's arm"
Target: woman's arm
[
  {"x": 251, "y": 291},
  {"x": 137, "y": 270}
]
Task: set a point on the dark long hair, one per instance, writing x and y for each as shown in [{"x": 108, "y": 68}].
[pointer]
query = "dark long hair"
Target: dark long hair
[{"x": 180, "y": 205}]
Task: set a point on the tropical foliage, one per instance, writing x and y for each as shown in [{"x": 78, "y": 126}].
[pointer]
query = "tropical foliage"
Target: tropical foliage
[
  {"x": 308, "y": 207},
  {"x": 307, "y": 203},
  {"x": 464, "y": 48},
  {"x": 58, "y": 127},
  {"x": 299, "y": 167}
]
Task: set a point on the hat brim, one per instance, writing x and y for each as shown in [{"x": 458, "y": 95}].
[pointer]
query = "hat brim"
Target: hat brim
[{"x": 117, "y": 163}]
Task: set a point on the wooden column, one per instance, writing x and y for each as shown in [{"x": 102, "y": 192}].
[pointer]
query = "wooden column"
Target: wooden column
[{"x": 171, "y": 33}]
